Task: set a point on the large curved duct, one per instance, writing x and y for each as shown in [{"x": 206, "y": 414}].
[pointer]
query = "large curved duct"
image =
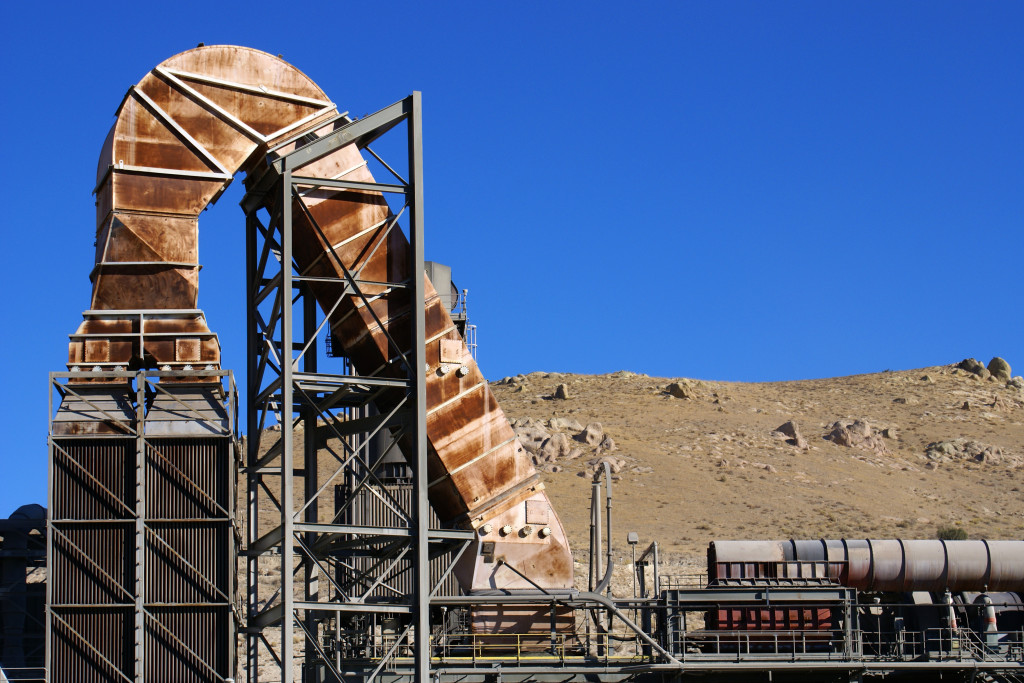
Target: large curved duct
[
  {"x": 181, "y": 135},
  {"x": 882, "y": 565}
]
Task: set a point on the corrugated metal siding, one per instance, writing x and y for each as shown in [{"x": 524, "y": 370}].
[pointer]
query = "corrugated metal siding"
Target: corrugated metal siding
[
  {"x": 369, "y": 509},
  {"x": 203, "y": 462},
  {"x": 93, "y": 564},
  {"x": 203, "y": 630},
  {"x": 76, "y": 651},
  {"x": 189, "y": 559},
  {"x": 83, "y": 468}
]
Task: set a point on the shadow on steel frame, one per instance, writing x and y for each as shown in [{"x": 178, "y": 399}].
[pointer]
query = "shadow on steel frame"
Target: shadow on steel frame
[{"x": 338, "y": 565}]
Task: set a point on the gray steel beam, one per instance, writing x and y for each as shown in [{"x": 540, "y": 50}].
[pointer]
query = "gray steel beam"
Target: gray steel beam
[
  {"x": 349, "y": 185},
  {"x": 251, "y": 446},
  {"x": 430, "y": 534},
  {"x": 418, "y": 362},
  {"x": 361, "y": 133},
  {"x": 287, "y": 433},
  {"x": 357, "y": 608}
]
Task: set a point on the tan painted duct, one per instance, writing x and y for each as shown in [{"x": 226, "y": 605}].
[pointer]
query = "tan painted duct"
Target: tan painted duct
[
  {"x": 877, "y": 565},
  {"x": 181, "y": 135}
]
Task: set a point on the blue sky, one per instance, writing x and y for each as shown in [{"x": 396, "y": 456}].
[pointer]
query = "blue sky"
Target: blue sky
[{"x": 727, "y": 190}]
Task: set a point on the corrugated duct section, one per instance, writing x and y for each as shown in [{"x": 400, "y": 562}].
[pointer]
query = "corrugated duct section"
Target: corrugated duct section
[
  {"x": 181, "y": 134},
  {"x": 879, "y": 565}
]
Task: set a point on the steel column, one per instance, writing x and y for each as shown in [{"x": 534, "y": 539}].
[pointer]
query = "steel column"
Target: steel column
[
  {"x": 286, "y": 417},
  {"x": 416, "y": 374},
  {"x": 252, "y": 446}
]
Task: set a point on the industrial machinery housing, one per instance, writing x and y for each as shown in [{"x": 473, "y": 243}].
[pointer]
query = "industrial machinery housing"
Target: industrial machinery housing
[{"x": 393, "y": 527}]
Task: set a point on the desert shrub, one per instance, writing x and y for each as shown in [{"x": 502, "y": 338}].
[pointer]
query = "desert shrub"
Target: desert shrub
[{"x": 951, "y": 533}]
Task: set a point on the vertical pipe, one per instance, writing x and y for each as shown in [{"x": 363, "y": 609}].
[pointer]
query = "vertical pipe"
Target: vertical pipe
[
  {"x": 989, "y": 625},
  {"x": 287, "y": 457},
  {"x": 657, "y": 580},
  {"x": 633, "y": 548},
  {"x": 595, "y": 532},
  {"x": 849, "y": 647},
  {"x": 610, "y": 560},
  {"x": 252, "y": 383},
  {"x": 416, "y": 375}
]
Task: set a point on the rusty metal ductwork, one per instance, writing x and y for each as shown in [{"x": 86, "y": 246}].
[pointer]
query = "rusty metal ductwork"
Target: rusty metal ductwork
[
  {"x": 181, "y": 135},
  {"x": 875, "y": 565}
]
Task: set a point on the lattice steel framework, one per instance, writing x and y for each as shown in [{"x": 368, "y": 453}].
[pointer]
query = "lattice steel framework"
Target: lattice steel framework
[{"x": 309, "y": 430}]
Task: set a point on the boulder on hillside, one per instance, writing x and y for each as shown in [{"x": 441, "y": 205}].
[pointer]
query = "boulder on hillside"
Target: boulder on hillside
[
  {"x": 963, "y": 449},
  {"x": 857, "y": 434},
  {"x": 792, "y": 432},
  {"x": 562, "y": 392},
  {"x": 970, "y": 365},
  {"x": 974, "y": 367},
  {"x": 1000, "y": 369},
  {"x": 615, "y": 464},
  {"x": 555, "y": 446},
  {"x": 591, "y": 434},
  {"x": 532, "y": 436},
  {"x": 564, "y": 423},
  {"x": 679, "y": 390}
]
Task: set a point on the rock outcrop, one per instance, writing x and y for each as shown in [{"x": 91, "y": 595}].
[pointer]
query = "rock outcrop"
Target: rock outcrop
[
  {"x": 591, "y": 434},
  {"x": 679, "y": 390},
  {"x": 792, "y": 434},
  {"x": 1000, "y": 369},
  {"x": 857, "y": 434},
  {"x": 974, "y": 367},
  {"x": 963, "y": 449}
]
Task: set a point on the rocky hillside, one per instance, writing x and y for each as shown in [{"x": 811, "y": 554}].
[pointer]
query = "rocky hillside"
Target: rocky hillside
[{"x": 891, "y": 454}]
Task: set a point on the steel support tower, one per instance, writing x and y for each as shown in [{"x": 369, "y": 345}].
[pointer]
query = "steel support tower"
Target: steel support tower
[{"x": 310, "y": 430}]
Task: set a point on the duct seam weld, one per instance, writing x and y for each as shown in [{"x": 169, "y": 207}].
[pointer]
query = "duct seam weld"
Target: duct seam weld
[
  {"x": 470, "y": 463},
  {"x": 169, "y": 120},
  {"x": 456, "y": 398},
  {"x": 326, "y": 253}
]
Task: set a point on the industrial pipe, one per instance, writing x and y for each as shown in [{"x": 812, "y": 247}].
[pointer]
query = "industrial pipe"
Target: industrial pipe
[
  {"x": 180, "y": 137},
  {"x": 882, "y": 565}
]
